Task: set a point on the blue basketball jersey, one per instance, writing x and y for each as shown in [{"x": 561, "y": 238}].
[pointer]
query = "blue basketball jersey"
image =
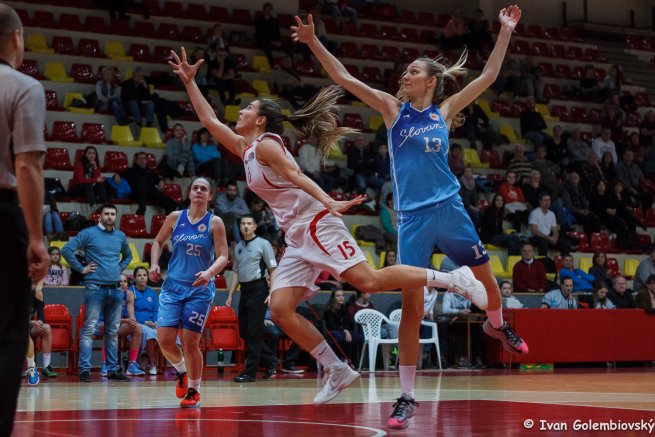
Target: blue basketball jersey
[
  {"x": 418, "y": 148},
  {"x": 193, "y": 247}
]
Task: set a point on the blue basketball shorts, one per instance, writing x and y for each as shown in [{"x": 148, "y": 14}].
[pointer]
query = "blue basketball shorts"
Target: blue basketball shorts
[
  {"x": 181, "y": 305},
  {"x": 446, "y": 225}
]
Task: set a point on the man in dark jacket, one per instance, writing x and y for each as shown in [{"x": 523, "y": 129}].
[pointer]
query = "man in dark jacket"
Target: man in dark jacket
[
  {"x": 135, "y": 95},
  {"x": 146, "y": 186},
  {"x": 533, "y": 124},
  {"x": 620, "y": 294}
]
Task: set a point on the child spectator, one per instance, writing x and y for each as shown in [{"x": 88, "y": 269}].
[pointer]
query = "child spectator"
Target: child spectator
[{"x": 57, "y": 275}]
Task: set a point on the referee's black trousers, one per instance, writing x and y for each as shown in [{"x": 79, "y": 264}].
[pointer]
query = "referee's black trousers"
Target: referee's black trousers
[
  {"x": 252, "y": 310},
  {"x": 15, "y": 298}
]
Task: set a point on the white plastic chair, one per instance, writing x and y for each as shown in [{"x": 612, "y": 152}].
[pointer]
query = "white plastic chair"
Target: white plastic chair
[
  {"x": 434, "y": 339},
  {"x": 371, "y": 321}
]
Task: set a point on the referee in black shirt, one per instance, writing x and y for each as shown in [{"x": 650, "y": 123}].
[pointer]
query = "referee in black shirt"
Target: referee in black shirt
[
  {"x": 252, "y": 257},
  {"x": 23, "y": 255}
]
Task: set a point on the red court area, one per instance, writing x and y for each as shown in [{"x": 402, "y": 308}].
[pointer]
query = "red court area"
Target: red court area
[{"x": 448, "y": 418}]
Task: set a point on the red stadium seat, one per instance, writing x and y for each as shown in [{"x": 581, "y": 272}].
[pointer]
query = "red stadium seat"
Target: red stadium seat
[
  {"x": 173, "y": 191},
  {"x": 592, "y": 54},
  {"x": 63, "y": 45},
  {"x": 156, "y": 223},
  {"x": 219, "y": 13},
  {"x": 409, "y": 54},
  {"x": 349, "y": 49},
  {"x": 442, "y": 19},
  {"x": 93, "y": 133},
  {"x": 90, "y": 48},
  {"x": 353, "y": 120},
  {"x": 192, "y": 34},
  {"x": 409, "y": 34},
  {"x": 95, "y": 24},
  {"x": 371, "y": 74},
  {"x": 61, "y": 325},
  {"x": 390, "y": 53},
  {"x": 115, "y": 162},
  {"x": 173, "y": 9},
  {"x": 65, "y": 131},
  {"x": 633, "y": 119},
  {"x": 501, "y": 107},
  {"x": 578, "y": 114},
  {"x": 57, "y": 158},
  {"x": 613, "y": 265},
  {"x": 569, "y": 34},
  {"x": 594, "y": 115},
  {"x": 220, "y": 282},
  {"x": 540, "y": 49},
  {"x": 306, "y": 67},
  {"x": 161, "y": 53},
  {"x": 353, "y": 70},
  {"x": 168, "y": 31},
  {"x": 563, "y": 71},
  {"x": 222, "y": 329},
  {"x": 600, "y": 241},
  {"x": 242, "y": 16},
  {"x": 547, "y": 69},
  {"x": 70, "y": 22},
  {"x": 83, "y": 73},
  {"x": 134, "y": 226},
  {"x": 552, "y": 33},
  {"x": 24, "y": 16},
  {"x": 642, "y": 99},
  {"x": 52, "y": 102},
  {"x": 31, "y": 68},
  {"x": 145, "y": 29},
  {"x": 535, "y": 31},
  {"x": 197, "y": 11},
  {"x": 120, "y": 27},
  {"x": 409, "y": 17},
  {"x": 44, "y": 19},
  {"x": 552, "y": 91},
  {"x": 242, "y": 62},
  {"x": 574, "y": 52},
  {"x": 520, "y": 47},
  {"x": 557, "y": 51},
  {"x": 140, "y": 52},
  {"x": 369, "y": 30},
  {"x": 650, "y": 217},
  {"x": 370, "y": 51},
  {"x": 426, "y": 19},
  {"x": 389, "y": 32}
]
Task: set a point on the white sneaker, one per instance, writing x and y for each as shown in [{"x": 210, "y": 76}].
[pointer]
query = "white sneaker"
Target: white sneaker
[
  {"x": 152, "y": 369},
  {"x": 335, "y": 381},
  {"x": 465, "y": 284}
]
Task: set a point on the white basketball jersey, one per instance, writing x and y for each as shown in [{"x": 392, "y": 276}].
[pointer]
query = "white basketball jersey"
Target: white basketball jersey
[{"x": 286, "y": 200}]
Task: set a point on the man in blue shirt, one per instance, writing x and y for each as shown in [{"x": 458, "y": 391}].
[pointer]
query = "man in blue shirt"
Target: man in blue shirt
[
  {"x": 561, "y": 299},
  {"x": 103, "y": 245},
  {"x": 581, "y": 281}
]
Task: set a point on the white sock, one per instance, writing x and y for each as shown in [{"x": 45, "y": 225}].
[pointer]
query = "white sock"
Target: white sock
[
  {"x": 30, "y": 362},
  {"x": 438, "y": 279},
  {"x": 194, "y": 384},
  {"x": 407, "y": 377},
  {"x": 496, "y": 317},
  {"x": 180, "y": 367},
  {"x": 46, "y": 359},
  {"x": 325, "y": 355}
]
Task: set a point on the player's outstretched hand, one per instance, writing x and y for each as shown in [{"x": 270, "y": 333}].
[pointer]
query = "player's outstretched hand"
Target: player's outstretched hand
[
  {"x": 303, "y": 32},
  {"x": 336, "y": 207},
  {"x": 509, "y": 17},
  {"x": 154, "y": 273},
  {"x": 203, "y": 278},
  {"x": 182, "y": 68}
]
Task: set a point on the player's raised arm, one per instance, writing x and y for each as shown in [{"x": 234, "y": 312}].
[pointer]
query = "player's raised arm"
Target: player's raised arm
[
  {"x": 186, "y": 72},
  {"x": 509, "y": 18},
  {"x": 384, "y": 103}
]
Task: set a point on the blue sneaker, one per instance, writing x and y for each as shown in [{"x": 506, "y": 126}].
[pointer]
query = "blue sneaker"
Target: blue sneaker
[
  {"x": 32, "y": 376},
  {"x": 103, "y": 369},
  {"x": 134, "y": 369}
]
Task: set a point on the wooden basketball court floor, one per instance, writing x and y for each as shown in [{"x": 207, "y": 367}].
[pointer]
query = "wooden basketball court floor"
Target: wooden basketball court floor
[{"x": 452, "y": 403}]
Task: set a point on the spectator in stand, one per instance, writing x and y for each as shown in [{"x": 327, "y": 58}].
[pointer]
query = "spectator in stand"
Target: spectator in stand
[
  {"x": 458, "y": 307},
  {"x": 509, "y": 300},
  {"x": 222, "y": 76},
  {"x": 549, "y": 172},
  {"x": 578, "y": 149},
  {"x": 515, "y": 203},
  {"x": 556, "y": 148},
  {"x": 528, "y": 274},
  {"x": 86, "y": 179},
  {"x": 455, "y": 33},
  {"x": 624, "y": 207},
  {"x": 272, "y": 335},
  {"x": 544, "y": 230},
  {"x": 361, "y": 162},
  {"x": 519, "y": 164},
  {"x": 108, "y": 96},
  {"x": 608, "y": 167},
  {"x": 582, "y": 282},
  {"x": 476, "y": 126},
  {"x": 146, "y": 186},
  {"x": 645, "y": 270},
  {"x": 561, "y": 299},
  {"x": 605, "y": 206},
  {"x": 179, "y": 157},
  {"x": 646, "y": 297},
  {"x": 601, "y": 300},
  {"x": 533, "y": 124},
  {"x": 588, "y": 86},
  {"x": 469, "y": 194},
  {"x": 289, "y": 84},
  {"x": 611, "y": 84},
  {"x": 314, "y": 166},
  {"x": 231, "y": 207},
  {"x": 341, "y": 325},
  {"x": 599, "y": 268},
  {"x": 267, "y": 226},
  {"x": 647, "y": 128},
  {"x": 382, "y": 162},
  {"x": 532, "y": 187},
  {"x": 637, "y": 149},
  {"x": 590, "y": 172},
  {"x": 338, "y": 10},
  {"x": 531, "y": 81},
  {"x": 479, "y": 35},
  {"x": 53, "y": 228},
  {"x": 648, "y": 153},
  {"x": 207, "y": 159},
  {"x": 40, "y": 329},
  {"x": 632, "y": 178},
  {"x": 57, "y": 275},
  {"x": 135, "y": 95},
  {"x": 146, "y": 310},
  {"x": 389, "y": 221},
  {"x": 603, "y": 143},
  {"x": 389, "y": 258},
  {"x": 576, "y": 202},
  {"x": 201, "y": 77},
  {"x": 491, "y": 227},
  {"x": 509, "y": 78},
  {"x": 613, "y": 120},
  {"x": 455, "y": 160},
  {"x": 267, "y": 33},
  {"x": 620, "y": 294},
  {"x": 216, "y": 41},
  {"x": 361, "y": 301}
]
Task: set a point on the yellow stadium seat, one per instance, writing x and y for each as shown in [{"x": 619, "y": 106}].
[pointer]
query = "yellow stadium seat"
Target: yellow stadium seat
[
  {"x": 35, "y": 42},
  {"x": 116, "y": 51},
  {"x": 492, "y": 247},
  {"x": 543, "y": 110},
  {"x": 128, "y": 74},
  {"x": 231, "y": 113},
  {"x": 136, "y": 259},
  {"x": 436, "y": 260},
  {"x": 383, "y": 255},
  {"x": 375, "y": 122},
  {"x": 262, "y": 88},
  {"x": 585, "y": 264},
  {"x": 361, "y": 243},
  {"x": 68, "y": 101},
  {"x": 484, "y": 105},
  {"x": 61, "y": 244},
  {"x": 370, "y": 259},
  {"x": 337, "y": 153},
  {"x": 630, "y": 267},
  {"x": 260, "y": 63},
  {"x": 511, "y": 260},
  {"x": 497, "y": 267},
  {"x": 508, "y": 131},
  {"x": 56, "y": 72},
  {"x": 551, "y": 276},
  {"x": 472, "y": 159},
  {"x": 286, "y": 124},
  {"x": 122, "y": 135},
  {"x": 150, "y": 137}
]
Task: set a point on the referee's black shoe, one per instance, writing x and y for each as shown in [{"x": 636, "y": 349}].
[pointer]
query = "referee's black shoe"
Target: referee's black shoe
[
  {"x": 244, "y": 378},
  {"x": 117, "y": 376}
]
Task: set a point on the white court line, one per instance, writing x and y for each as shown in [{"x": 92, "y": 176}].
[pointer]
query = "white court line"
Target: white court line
[{"x": 377, "y": 432}]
